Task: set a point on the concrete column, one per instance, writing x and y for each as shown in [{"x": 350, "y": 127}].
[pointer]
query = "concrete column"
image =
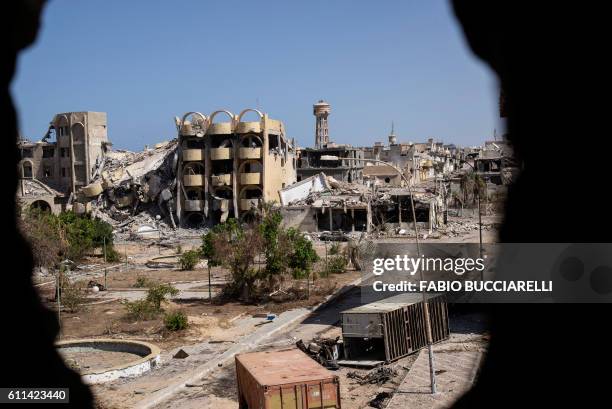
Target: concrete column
[
  {"x": 72, "y": 178},
  {"x": 207, "y": 175},
  {"x": 369, "y": 218},
  {"x": 86, "y": 148},
  {"x": 399, "y": 210},
  {"x": 235, "y": 188},
  {"x": 353, "y": 220},
  {"x": 331, "y": 220}
]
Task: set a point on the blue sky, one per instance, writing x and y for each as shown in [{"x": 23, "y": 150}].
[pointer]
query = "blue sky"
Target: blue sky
[{"x": 144, "y": 62}]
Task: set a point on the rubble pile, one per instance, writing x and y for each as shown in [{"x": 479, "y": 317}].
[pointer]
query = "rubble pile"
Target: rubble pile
[
  {"x": 323, "y": 350},
  {"x": 130, "y": 189},
  {"x": 458, "y": 228},
  {"x": 376, "y": 376}
]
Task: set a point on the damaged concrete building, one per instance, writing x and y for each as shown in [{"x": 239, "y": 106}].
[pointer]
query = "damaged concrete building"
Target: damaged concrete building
[
  {"x": 419, "y": 161},
  {"x": 64, "y": 160},
  {"x": 345, "y": 169},
  {"x": 228, "y": 169},
  {"x": 323, "y": 204},
  {"x": 495, "y": 163},
  {"x": 129, "y": 183}
]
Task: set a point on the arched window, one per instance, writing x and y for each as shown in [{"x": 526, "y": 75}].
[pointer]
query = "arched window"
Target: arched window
[{"x": 27, "y": 169}]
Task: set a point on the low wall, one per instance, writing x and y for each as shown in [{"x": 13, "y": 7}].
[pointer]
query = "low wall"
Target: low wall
[
  {"x": 149, "y": 357},
  {"x": 301, "y": 218}
]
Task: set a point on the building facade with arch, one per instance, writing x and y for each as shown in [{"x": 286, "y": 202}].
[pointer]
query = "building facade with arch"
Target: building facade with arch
[
  {"x": 228, "y": 168},
  {"x": 67, "y": 157}
]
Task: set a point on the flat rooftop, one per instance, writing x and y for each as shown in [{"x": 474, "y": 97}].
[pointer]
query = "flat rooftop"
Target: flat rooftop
[
  {"x": 392, "y": 303},
  {"x": 282, "y": 367}
]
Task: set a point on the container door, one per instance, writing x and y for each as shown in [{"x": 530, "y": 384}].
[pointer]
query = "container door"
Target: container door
[
  {"x": 290, "y": 397},
  {"x": 323, "y": 395}
]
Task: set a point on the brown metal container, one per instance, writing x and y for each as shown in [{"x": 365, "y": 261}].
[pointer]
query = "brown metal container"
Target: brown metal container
[
  {"x": 392, "y": 328},
  {"x": 286, "y": 379}
]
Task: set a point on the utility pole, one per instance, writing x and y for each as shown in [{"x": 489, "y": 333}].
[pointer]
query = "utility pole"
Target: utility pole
[
  {"x": 58, "y": 286},
  {"x": 209, "y": 283}
]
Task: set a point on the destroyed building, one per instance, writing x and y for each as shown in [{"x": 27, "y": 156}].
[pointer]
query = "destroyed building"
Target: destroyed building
[
  {"x": 64, "y": 160},
  {"x": 495, "y": 163},
  {"x": 227, "y": 169},
  {"x": 418, "y": 161},
  {"x": 309, "y": 163},
  {"x": 323, "y": 204},
  {"x": 130, "y": 183},
  {"x": 347, "y": 168}
]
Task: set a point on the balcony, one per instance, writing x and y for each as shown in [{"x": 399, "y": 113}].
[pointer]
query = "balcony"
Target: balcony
[
  {"x": 221, "y": 153},
  {"x": 250, "y": 153},
  {"x": 193, "y": 180},
  {"x": 220, "y": 128},
  {"x": 253, "y": 178},
  {"x": 190, "y": 155},
  {"x": 248, "y": 204},
  {"x": 194, "y": 205},
  {"x": 221, "y": 180},
  {"x": 222, "y": 204},
  {"x": 248, "y": 127}
]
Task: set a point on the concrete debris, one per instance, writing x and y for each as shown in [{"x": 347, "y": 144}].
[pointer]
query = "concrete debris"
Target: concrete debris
[
  {"x": 130, "y": 187},
  {"x": 180, "y": 354},
  {"x": 299, "y": 191},
  {"x": 380, "y": 400},
  {"x": 456, "y": 228},
  {"x": 323, "y": 350},
  {"x": 377, "y": 376}
]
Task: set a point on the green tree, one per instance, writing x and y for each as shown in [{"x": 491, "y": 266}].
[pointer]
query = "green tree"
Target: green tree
[
  {"x": 303, "y": 256},
  {"x": 270, "y": 229}
]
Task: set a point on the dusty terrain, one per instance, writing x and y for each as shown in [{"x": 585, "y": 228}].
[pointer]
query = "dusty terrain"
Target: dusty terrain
[{"x": 220, "y": 327}]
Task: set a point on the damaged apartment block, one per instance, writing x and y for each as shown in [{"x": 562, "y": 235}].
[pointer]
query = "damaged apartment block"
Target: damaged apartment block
[
  {"x": 229, "y": 169},
  {"x": 63, "y": 161}
]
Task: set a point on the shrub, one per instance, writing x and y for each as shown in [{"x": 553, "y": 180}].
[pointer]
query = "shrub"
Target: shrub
[
  {"x": 189, "y": 259},
  {"x": 175, "y": 321},
  {"x": 46, "y": 238},
  {"x": 157, "y": 294},
  {"x": 236, "y": 248},
  {"x": 71, "y": 295},
  {"x": 112, "y": 255},
  {"x": 335, "y": 265},
  {"x": 208, "y": 250},
  {"x": 68, "y": 235},
  {"x": 334, "y": 249},
  {"x": 141, "y": 282},
  {"x": 150, "y": 307},
  {"x": 302, "y": 255},
  {"x": 271, "y": 231},
  {"x": 140, "y": 310},
  {"x": 179, "y": 249}
]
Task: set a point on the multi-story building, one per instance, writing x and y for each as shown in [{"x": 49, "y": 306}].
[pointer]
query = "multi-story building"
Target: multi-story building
[
  {"x": 226, "y": 169},
  {"x": 345, "y": 169},
  {"x": 70, "y": 153}
]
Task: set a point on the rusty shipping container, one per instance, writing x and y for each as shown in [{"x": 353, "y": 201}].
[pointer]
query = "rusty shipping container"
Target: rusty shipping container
[
  {"x": 392, "y": 328},
  {"x": 286, "y": 379}
]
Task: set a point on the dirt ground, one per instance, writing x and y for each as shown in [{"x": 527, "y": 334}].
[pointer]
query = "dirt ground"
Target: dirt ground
[
  {"x": 215, "y": 322},
  {"x": 96, "y": 360},
  {"x": 207, "y": 321}
]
